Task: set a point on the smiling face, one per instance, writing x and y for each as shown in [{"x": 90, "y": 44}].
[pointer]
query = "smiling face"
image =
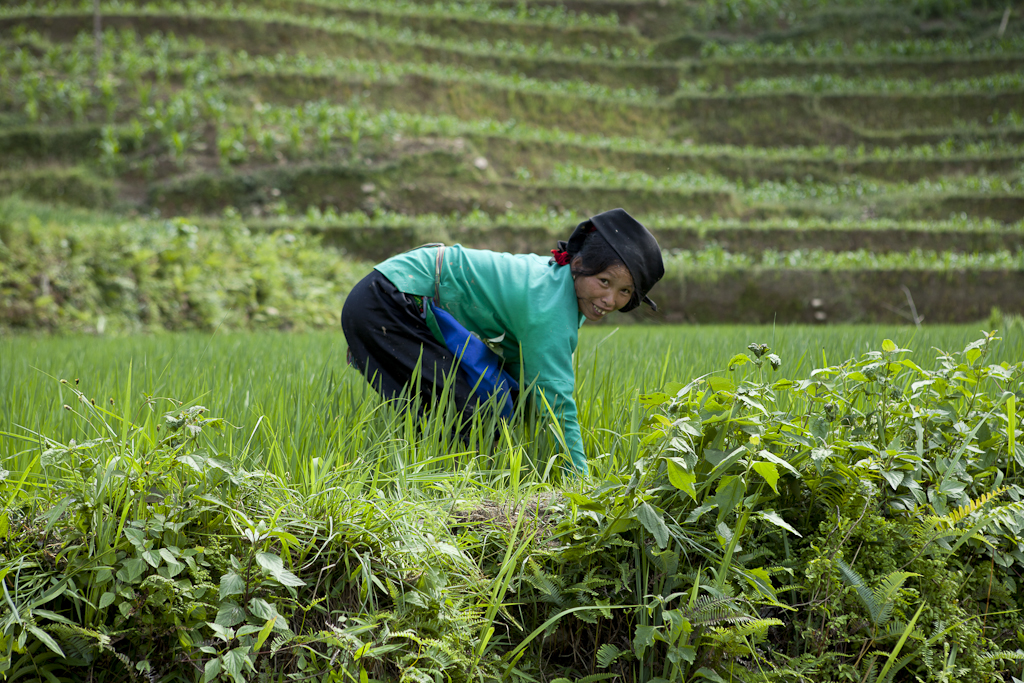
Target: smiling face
[{"x": 607, "y": 291}]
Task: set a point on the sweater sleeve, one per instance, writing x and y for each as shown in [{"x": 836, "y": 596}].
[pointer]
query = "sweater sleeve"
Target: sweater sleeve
[{"x": 547, "y": 358}]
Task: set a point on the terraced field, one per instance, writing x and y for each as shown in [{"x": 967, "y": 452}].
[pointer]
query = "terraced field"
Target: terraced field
[{"x": 799, "y": 160}]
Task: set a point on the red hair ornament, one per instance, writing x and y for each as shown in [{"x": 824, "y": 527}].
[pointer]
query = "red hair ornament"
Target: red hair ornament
[
  {"x": 561, "y": 257},
  {"x": 560, "y": 254}
]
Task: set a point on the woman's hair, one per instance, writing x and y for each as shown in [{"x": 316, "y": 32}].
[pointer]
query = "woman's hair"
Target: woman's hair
[{"x": 595, "y": 256}]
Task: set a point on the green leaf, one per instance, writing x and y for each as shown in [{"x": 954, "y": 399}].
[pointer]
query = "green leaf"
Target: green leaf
[
  {"x": 771, "y": 457},
  {"x": 213, "y": 669},
  {"x": 770, "y": 473},
  {"x": 235, "y": 660},
  {"x": 275, "y": 567},
  {"x": 761, "y": 580},
  {"x": 654, "y": 399},
  {"x": 720, "y": 384},
  {"x": 729, "y": 492},
  {"x": 174, "y": 567},
  {"x": 136, "y": 537},
  {"x": 45, "y": 637},
  {"x": 653, "y": 522},
  {"x": 152, "y": 557},
  {"x": 223, "y": 632},
  {"x": 131, "y": 570},
  {"x": 681, "y": 653},
  {"x": 894, "y": 477},
  {"x": 231, "y": 584},
  {"x": 585, "y": 503},
  {"x": 681, "y": 477},
  {"x": 261, "y": 609},
  {"x": 264, "y": 634},
  {"x": 168, "y": 556},
  {"x": 686, "y": 426},
  {"x": 643, "y": 639},
  {"x": 738, "y": 360},
  {"x": 709, "y": 675},
  {"x": 819, "y": 428},
  {"x": 774, "y": 518},
  {"x": 106, "y": 600},
  {"x": 230, "y": 614}
]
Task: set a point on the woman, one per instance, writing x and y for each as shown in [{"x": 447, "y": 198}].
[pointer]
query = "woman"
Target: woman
[{"x": 530, "y": 307}]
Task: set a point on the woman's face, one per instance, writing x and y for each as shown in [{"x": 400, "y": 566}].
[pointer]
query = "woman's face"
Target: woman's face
[{"x": 600, "y": 294}]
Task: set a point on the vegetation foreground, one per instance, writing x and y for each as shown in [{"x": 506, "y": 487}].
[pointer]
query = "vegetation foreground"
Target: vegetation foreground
[{"x": 858, "y": 521}]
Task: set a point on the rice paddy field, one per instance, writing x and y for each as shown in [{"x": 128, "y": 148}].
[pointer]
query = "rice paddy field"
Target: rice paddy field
[
  {"x": 806, "y": 466},
  {"x": 298, "y": 400}
]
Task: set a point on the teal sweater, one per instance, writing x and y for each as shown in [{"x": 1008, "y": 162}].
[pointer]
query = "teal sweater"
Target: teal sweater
[{"x": 533, "y": 303}]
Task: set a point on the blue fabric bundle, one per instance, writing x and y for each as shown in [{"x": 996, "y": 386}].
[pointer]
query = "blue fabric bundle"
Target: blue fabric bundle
[{"x": 481, "y": 365}]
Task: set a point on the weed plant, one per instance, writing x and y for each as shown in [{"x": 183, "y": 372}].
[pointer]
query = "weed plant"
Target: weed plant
[{"x": 166, "y": 275}]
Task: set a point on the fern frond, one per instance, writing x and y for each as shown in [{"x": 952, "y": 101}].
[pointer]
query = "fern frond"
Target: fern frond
[
  {"x": 896, "y": 627},
  {"x": 549, "y": 586},
  {"x": 854, "y": 580},
  {"x": 708, "y": 610},
  {"x": 871, "y": 675},
  {"x": 596, "y": 678},
  {"x": 607, "y": 654},
  {"x": 1002, "y": 655},
  {"x": 756, "y": 628},
  {"x": 962, "y": 512},
  {"x": 885, "y": 595},
  {"x": 78, "y": 642}
]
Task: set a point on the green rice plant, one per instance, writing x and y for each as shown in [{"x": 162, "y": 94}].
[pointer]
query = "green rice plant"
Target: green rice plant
[
  {"x": 831, "y": 84},
  {"x": 108, "y": 96},
  {"x": 792, "y": 190},
  {"x": 214, "y": 108},
  {"x": 387, "y": 26},
  {"x": 231, "y": 145},
  {"x": 557, "y": 16},
  {"x": 832, "y": 49},
  {"x": 110, "y": 151}
]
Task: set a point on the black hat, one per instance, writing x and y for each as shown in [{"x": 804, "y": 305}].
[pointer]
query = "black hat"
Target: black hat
[{"x": 633, "y": 243}]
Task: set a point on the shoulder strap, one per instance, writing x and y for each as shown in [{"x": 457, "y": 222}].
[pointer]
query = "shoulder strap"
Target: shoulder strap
[
  {"x": 437, "y": 267},
  {"x": 437, "y": 273}
]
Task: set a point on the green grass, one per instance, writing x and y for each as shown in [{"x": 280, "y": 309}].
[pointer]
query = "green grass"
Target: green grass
[{"x": 292, "y": 398}]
